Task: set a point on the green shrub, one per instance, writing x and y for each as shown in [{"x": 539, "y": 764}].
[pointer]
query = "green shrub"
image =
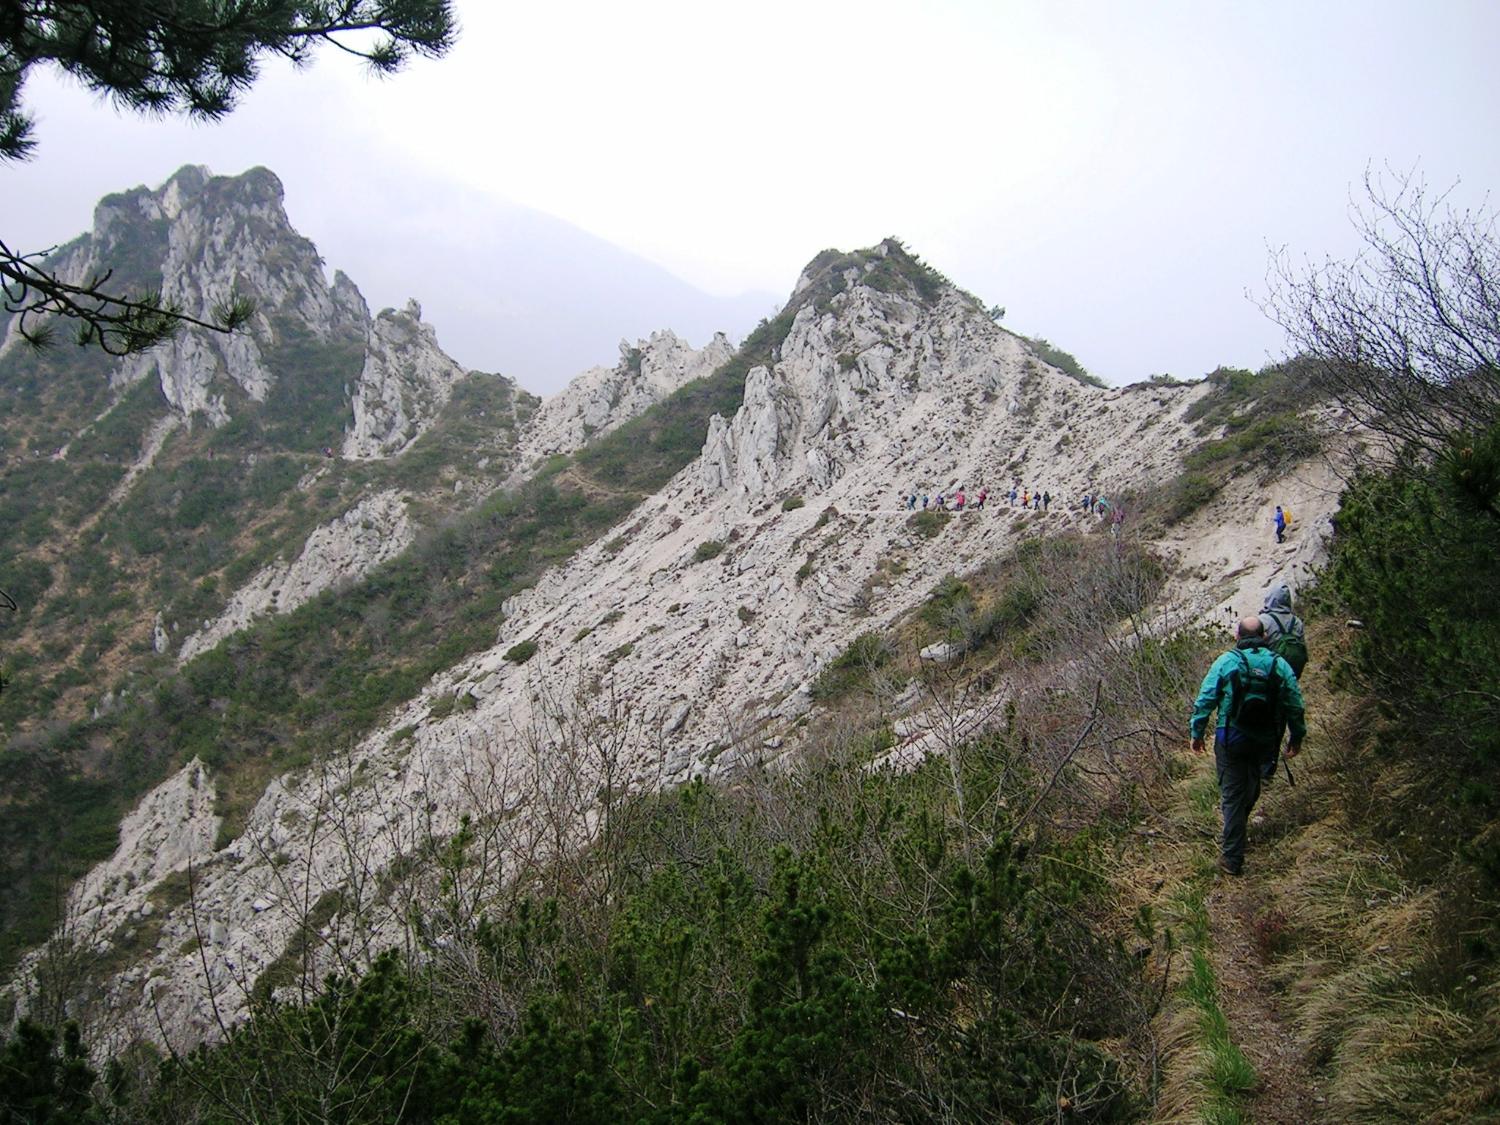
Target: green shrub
[
  {"x": 949, "y": 597},
  {"x": 1237, "y": 396},
  {"x": 732, "y": 959},
  {"x": 1185, "y": 494},
  {"x": 792, "y": 503},
  {"x": 1415, "y": 559},
  {"x": 521, "y": 652},
  {"x": 852, "y": 668},
  {"x": 1270, "y": 441},
  {"x": 1064, "y": 362},
  {"x": 708, "y": 549},
  {"x": 929, "y": 523}
]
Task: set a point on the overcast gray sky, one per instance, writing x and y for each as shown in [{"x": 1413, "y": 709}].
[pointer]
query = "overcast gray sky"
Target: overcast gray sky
[{"x": 1112, "y": 173}]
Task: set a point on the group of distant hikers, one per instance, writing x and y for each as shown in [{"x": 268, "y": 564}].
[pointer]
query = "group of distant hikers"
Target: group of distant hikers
[
  {"x": 1032, "y": 499},
  {"x": 1255, "y": 691}
]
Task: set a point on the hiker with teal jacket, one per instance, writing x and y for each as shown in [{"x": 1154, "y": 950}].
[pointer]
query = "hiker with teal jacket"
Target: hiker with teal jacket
[{"x": 1254, "y": 692}]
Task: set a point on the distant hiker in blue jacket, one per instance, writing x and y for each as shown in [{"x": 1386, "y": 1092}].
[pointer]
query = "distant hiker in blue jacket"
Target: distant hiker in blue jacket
[
  {"x": 1254, "y": 692},
  {"x": 1280, "y": 522}
]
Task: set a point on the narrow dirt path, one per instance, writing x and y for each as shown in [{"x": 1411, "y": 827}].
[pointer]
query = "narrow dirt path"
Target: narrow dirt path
[{"x": 1287, "y": 1093}]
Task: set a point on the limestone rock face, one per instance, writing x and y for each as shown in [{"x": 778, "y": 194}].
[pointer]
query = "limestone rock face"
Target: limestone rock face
[
  {"x": 225, "y": 237},
  {"x": 405, "y": 382},
  {"x": 707, "y": 657},
  {"x": 604, "y": 397},
  {"x": 203, "y": 240},
  {"x": 174, "y": 825},
  {"x": 374, "y": 530}
]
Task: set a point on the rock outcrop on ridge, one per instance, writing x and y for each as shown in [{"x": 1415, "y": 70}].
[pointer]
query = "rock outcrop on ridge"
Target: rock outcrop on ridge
[
  {"x": 693, "y": 629},
  {"x": 204, "y": 239},
  {"x": 605, "y": 397}
]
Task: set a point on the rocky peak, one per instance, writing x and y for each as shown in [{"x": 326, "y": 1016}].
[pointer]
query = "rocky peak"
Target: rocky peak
[
  {"x": 201, "y": 240},
  {"x": 405, "y": 381},
  {"x": 604, "y": 397},
  {"x": 219, "y": 237},
  {"x": 876, "y": 332}
]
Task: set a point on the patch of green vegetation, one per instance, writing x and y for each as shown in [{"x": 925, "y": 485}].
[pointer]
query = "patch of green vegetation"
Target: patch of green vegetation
[
  {"x": 792, "y": 503},
  {"x": 307, "y": 407},
  {"x": 708, "y": 549},
  {"x": 457, "y": 701},
  {"x": 951, "y": 596},
  {"x": 1270, "y": 441},
  {"x": 1236, "y": 395},
  {"x": 1227, "y": 1077},
  {"x": 296, "y": 963},
  {"x": 521, "y": 652},
  {"x": 1186, "y": 493},
  {"x": 930, "y": 522},
  {"x": 120, "y": 435},
  {"x": 1054, "y": 356},
  {"x": 854, "y": 668}
]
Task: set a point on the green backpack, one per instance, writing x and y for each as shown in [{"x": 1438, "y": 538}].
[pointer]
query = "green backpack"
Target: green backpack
[
  {"x": 1256, "y": 711},
  {"x": 1290, "y": 646}
]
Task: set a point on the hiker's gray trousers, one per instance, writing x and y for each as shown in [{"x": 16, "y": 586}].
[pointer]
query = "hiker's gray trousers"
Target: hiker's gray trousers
[{"x": 1239, "y": 767}]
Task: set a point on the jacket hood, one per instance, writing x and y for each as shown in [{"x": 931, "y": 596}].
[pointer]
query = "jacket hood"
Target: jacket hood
[{"x": 1279, "y": 598}]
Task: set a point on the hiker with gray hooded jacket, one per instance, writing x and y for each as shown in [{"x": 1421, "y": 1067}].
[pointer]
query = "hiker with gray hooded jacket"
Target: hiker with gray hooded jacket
[
  {"x": 1286, "y": 636},
  {"x": 1254, "y": 692}
]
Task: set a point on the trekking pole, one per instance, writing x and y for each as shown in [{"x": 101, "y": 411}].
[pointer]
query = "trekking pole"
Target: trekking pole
[{"x": 1290, "y": 780}]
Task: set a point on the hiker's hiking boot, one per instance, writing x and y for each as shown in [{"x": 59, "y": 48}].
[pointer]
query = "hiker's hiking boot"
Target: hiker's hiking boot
[{"x": 1230, "y": 868}]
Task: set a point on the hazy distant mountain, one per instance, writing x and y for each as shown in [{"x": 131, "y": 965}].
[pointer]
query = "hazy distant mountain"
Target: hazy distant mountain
[{"x": 514, "y": 290}]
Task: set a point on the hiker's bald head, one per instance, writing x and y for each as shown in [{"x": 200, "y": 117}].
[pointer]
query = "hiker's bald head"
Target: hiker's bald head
[{"x": 1249, "y": 627}]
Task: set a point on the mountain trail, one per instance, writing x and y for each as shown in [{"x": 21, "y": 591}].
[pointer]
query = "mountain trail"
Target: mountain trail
[{"x": 1287, "y": 1091}]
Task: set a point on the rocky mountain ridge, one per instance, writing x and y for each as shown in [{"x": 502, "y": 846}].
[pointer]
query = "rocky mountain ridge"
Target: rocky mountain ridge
[{"x": 693, "y": 630}]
